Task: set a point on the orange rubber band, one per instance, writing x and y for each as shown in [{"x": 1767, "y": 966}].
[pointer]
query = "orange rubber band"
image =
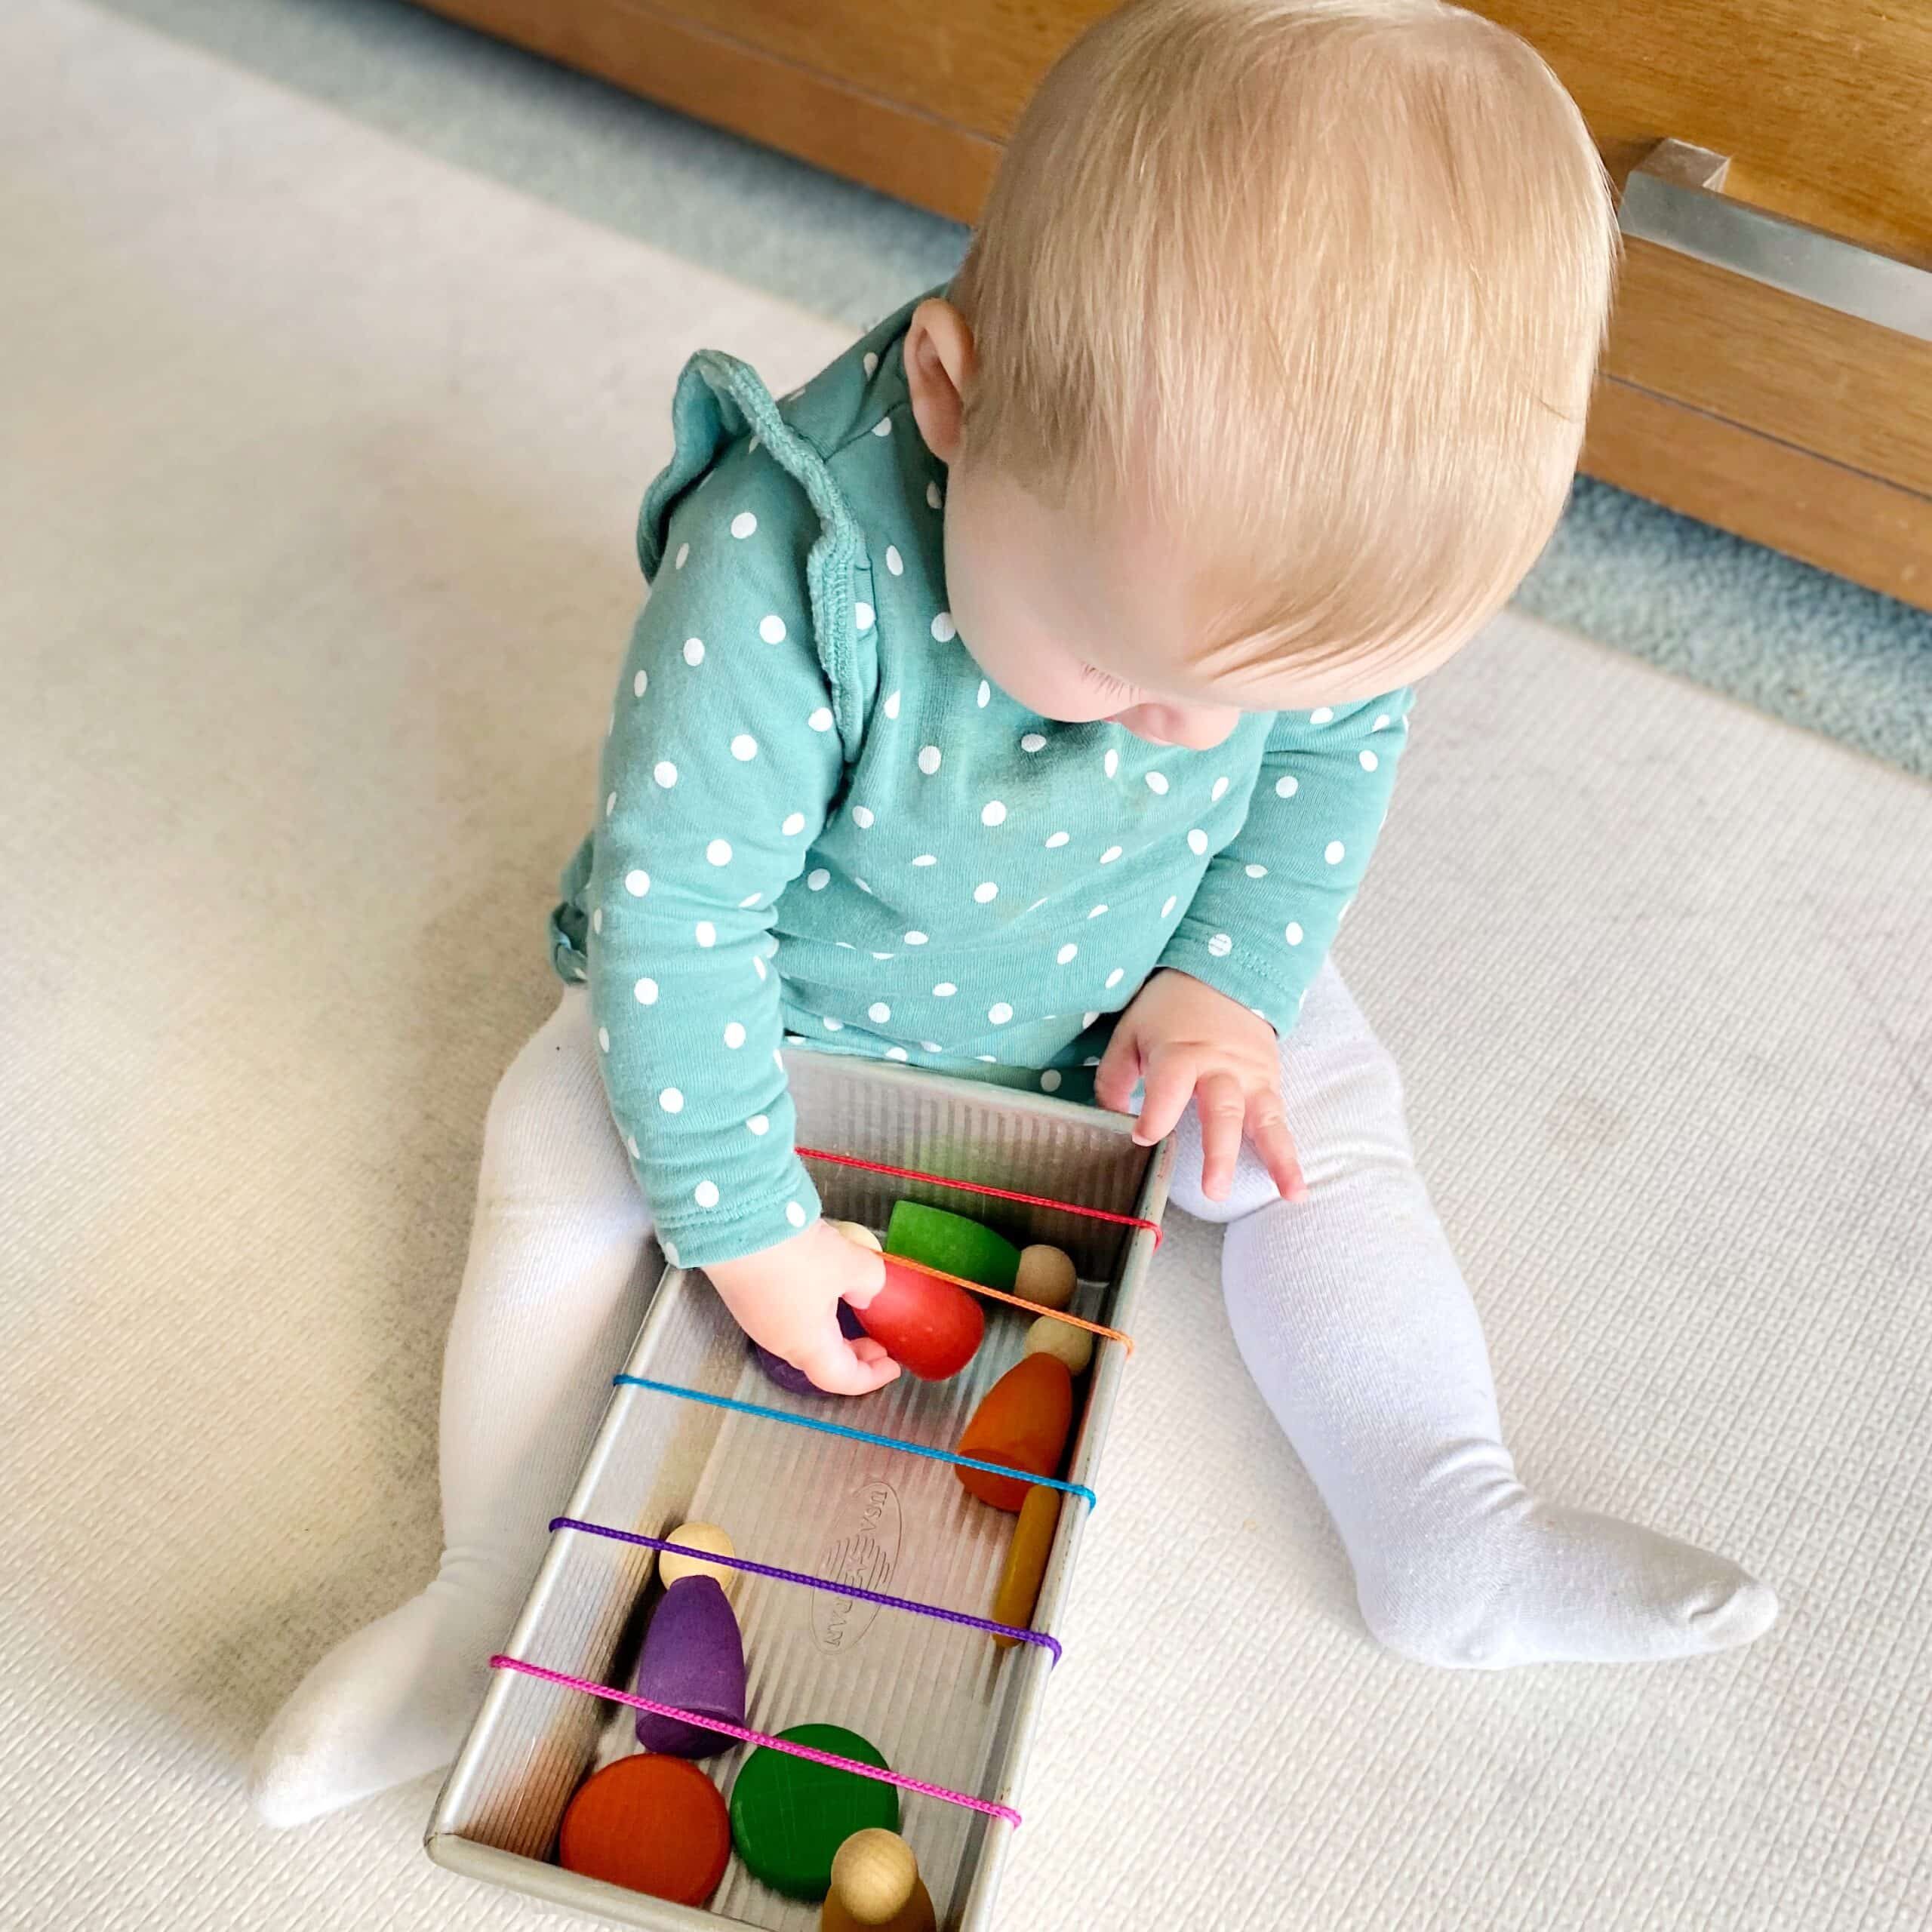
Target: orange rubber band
[{"x": 1016, "y": 1301}]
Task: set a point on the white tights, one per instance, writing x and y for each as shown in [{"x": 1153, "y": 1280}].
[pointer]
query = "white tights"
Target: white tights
[{"x": 1348, "y": 1309}]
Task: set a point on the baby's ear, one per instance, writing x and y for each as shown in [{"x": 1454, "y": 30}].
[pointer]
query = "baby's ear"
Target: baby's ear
[{"x": 940, "y": 370}]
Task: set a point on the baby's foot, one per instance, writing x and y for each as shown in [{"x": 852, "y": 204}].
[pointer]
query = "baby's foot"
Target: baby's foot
[
  {"x": 1527, "y": 1582},
  {"x": 384, "y": 1706}
]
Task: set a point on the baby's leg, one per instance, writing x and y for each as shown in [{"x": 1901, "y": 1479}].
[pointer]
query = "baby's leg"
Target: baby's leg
[
  {"x": 552, "y": 1296},
  {"x": 1353, "y": 1318}
]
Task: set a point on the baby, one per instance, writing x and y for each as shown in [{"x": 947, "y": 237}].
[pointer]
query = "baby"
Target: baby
[{"x": 1022, "y": 698}]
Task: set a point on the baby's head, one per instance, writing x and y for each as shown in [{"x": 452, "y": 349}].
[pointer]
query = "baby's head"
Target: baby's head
[{"x": 1263, "y": 382}]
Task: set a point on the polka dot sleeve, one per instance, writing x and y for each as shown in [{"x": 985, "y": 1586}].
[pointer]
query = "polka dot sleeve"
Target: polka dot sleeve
[
  {"x": 1268, "y": 907},
  {"x": 721, "y": 761}
]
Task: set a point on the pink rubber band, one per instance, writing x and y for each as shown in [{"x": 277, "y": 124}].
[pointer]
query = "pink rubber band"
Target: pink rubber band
[{"x": 744, "y": 1736}]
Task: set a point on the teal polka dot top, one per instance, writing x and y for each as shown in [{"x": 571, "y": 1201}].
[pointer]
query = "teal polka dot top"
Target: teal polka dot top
[{"x": 819, "y": 823}]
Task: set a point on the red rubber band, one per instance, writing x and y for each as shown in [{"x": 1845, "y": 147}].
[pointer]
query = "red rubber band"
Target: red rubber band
[{"x": 980, "y": 1187}]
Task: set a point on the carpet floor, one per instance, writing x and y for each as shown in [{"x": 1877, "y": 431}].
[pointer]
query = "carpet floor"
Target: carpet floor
[{"x": 322, "y": 455}]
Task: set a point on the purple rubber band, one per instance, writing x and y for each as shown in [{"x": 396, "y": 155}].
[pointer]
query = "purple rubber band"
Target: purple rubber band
[
  {"x": 744, "y": 1736},
  {"x": 1039, "y": 1637}
]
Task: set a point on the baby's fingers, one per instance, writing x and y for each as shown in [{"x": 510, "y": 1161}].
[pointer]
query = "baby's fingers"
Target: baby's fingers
[
  {"x": 1119, "y": 1071},
  {"x": 1219, "y": 1107},
  {"x": 836, "y": 1366},
  {"x": 1274, "y": 1147},
  {"x": 1168, "y": 1077}
]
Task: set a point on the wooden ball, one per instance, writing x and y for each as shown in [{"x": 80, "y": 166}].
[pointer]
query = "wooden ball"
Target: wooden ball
[
  {"x": 1046, "y": 1276},
  {"x": 698, "y": 1536},
  {"x": 1075, "y": 1346},
  {"x": 874, "y": 1875},
  {"x": 857, "y": 1231}
]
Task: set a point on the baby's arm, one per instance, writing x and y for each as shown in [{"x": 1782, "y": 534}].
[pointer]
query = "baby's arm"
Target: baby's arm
[
  {"x": 1204, "y": 1028},
  {"x": 721, "y": 761}
]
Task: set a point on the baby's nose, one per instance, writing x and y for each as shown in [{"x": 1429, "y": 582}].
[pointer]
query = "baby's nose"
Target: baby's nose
[{"x": 1199, "y": 727}]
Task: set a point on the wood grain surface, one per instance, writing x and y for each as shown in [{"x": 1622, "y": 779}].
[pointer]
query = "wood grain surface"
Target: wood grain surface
[{"x": 1753, "y": 410}]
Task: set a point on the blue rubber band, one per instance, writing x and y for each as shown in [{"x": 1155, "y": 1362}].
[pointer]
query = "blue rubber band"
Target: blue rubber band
[{"x": 857, "y": 1435}]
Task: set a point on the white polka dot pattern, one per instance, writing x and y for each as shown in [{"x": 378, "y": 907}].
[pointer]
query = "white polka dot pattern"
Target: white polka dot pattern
[{"x": 784, "y": 737}]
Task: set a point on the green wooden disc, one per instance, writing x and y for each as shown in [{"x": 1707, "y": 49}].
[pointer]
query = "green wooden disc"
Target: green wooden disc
[
  {"x": 790, "y": 1815},
  {"x": 968, "y": 1248}
]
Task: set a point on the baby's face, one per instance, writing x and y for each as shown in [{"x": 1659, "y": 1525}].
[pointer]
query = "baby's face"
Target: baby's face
[
  {"x": 1078, "y": 626},
  {"x": 1079, "y": 623}
]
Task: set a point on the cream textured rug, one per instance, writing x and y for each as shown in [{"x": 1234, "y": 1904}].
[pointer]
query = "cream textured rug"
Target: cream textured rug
[{"x": 317, "y": 461}]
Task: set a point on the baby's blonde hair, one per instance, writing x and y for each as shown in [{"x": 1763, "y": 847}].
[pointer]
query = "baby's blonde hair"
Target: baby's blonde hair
[{"x": 1320, "y": 286}]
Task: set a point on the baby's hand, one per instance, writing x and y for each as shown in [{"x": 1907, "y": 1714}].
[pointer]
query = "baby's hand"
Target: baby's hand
[
  {"x": 786, "y": 1300},
  {"x": 1186, "y": 1042}
]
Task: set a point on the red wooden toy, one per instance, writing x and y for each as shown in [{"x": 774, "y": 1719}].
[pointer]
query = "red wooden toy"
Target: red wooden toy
[{"x": 926, "y": 1324}]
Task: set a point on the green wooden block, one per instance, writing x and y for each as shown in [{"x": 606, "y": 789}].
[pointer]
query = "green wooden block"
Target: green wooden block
[
  {"x": 790, "y": 1815},
  {"x": 953, "y": 1244}
]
